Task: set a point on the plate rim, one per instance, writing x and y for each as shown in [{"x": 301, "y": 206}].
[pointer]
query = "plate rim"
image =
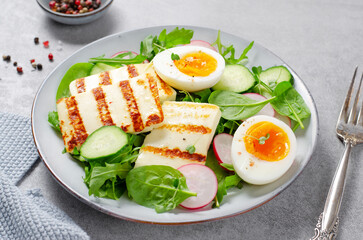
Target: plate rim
[{"x": 118, "y": 216}]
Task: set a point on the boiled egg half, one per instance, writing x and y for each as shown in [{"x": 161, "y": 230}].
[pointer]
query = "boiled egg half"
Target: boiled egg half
[
  {"x": 196, "y": 69},
  {"x": 263, "y": 149}
]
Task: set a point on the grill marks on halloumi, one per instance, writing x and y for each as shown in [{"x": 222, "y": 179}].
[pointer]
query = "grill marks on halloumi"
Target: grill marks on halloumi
[
  {"x": 175, "y": 153},
  {"x": 80, "y": 85},
  {"x": 132, "y": 105},
  {"x": 132, "y": 71},
  {"x": 117, "y": 75},
  {"x": 185, "y": 124},
  {"x": 105, "y": 79},
  {"x": 79, "y": 134},
  {"x": 102, "y": 107}
]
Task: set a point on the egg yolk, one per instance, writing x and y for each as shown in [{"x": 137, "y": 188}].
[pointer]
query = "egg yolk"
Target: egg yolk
[
  {"x": 197, "y": 64},
  {"x": 274, "y": 148}
]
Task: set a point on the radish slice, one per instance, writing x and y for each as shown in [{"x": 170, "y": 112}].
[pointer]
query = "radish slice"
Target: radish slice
[
  {"x": 201, "y": 43},
  {"x": 118, "y": 53},
  {"x": 134, "y": 53},
  {"x": 285, "y": 119},
  {"x": 222, "y": 148},
  {"x": 202, "y": 180},
  {"x": 267, "y": 110}
]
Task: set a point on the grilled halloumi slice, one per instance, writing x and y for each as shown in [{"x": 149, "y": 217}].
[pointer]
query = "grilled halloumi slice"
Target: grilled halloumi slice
[
  {"x": 166, "y": 93},
  {"x": 185, "y": 124},
  {"x": 132, "y": 105}
]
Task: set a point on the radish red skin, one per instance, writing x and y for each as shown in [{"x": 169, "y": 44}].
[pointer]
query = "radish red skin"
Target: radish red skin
[
  {"x": 267, "y": 109},
  {"x": 221, "y": 146},
  {"x": 202, "y": 180},
  {"x": 202, "y": 43},
  {"x": 118, "y": 53}
]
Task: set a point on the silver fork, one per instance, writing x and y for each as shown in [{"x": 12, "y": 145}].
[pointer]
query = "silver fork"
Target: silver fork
[{"x": 350, "y": 130}]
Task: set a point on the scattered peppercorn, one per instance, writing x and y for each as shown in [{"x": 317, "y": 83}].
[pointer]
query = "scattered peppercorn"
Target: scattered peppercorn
[
  {"x": 19, "y": 70},
  {"x": 32, "y": 60},
  {"x": 34, "y": 65},
  {"x": 39, "y": 66},
  {"x": 46, "y": 44},
  {"x": 50, "y": 56},
  {"x": 36, "y": 40},
  {"x": 6, "y": 58},
  {"x": 74, "y": 6},
  {"x": 15, "y": 64}
]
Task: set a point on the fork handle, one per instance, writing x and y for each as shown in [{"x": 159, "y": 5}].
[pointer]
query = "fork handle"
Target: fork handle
[{"x": 328, "y": 224}]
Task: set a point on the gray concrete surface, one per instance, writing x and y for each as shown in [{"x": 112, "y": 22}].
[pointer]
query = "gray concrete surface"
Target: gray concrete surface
[{"x": 322, "y": 40}]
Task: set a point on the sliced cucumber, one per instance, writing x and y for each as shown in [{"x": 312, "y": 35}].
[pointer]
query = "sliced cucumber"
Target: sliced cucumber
[
  {"x": 101, "y": 67},
  {"x": 105, "y": 142},
  {"x": 271, "y": 77},
  {"x": 235, "y": 78},
  {"x": 274, "y": 75}
]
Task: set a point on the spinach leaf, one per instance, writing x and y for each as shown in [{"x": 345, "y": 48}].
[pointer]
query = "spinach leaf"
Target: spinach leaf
[
  {"x": 78, "y": 70},
  {"x": 160, "y": 187},
  {"x": 54, "y": 120},
  {"x": 228, "y": 52},
  {"x": 291, "y": 104},
  {"x": 203, "y": 95},
  {"x": 235, "y": 106},
  {"x": 99, "y": 175}
]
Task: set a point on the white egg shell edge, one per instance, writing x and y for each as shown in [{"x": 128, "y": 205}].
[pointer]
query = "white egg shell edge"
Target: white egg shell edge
[
  {"x": 187, "y": 83},
  {"x": 262, "y": 172}
]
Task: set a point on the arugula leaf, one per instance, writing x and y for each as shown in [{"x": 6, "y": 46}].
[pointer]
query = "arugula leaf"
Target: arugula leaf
[
  {"x": 54, "y": 120},
  {"x": 235, "y": 106},
  {"x": 228, "y": 52},
  {"x": 225, "y": 180},
  {"x": 99, "y": 175},
  {"x": 78, "y": 70},
  {"x": 147, "y": 47},
  {"x": 152, "y": 45},
  {"x": 160, "y": 187},
  {"x": 118, "y": 61}
]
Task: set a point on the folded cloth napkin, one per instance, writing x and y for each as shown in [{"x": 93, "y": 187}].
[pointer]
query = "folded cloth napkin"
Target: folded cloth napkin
[{"x": 26, "y": 215}]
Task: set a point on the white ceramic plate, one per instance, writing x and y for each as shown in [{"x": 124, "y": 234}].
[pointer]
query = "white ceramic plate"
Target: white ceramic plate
[{"x": 69, "y": 173}]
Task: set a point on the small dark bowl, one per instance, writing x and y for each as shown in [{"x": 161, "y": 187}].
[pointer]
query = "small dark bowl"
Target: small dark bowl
[{"x": 76, "y": 19}]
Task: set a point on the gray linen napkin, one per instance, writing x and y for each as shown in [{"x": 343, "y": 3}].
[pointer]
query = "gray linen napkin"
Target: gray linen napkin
[{"x": 26, "y": 215}]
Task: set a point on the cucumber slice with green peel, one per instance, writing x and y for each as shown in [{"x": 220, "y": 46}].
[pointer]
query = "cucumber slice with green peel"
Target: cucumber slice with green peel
[
  {"x": 271, "y": 77},
  {"x": 101, "y": 67},
  {"x": 105, "y": 142},
  {"x": 274, "y": 75},
  {"x": 235, "y": 78}
]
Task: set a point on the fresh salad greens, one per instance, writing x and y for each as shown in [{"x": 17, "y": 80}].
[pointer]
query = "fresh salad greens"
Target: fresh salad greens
[
  {"x": 78, "y": 70},
  {"x": 160, "y": 187},
  {"x": 152, "y": 45}
]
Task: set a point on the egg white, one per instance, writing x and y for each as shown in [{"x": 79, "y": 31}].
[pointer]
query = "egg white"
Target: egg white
[
  {"x": 252, "y": 169},
  {"x": 166, "y": 69}
]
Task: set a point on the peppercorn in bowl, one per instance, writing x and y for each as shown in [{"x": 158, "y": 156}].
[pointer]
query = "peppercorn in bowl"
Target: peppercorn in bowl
[{"x": 74, "y": 12}]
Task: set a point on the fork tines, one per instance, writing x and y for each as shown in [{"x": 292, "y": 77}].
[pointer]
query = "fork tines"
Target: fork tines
[{"x": 354, "y": 115}]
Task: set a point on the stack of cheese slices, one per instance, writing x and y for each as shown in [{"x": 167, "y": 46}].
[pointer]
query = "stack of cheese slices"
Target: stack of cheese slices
[{"x": 137, "y": 100}]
